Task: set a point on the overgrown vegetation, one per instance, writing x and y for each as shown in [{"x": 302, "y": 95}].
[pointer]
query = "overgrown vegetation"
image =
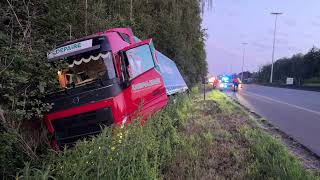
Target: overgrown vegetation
[
  {"x": 304, "y": 68},
  {"x": 135, "y": 152},
  {"x": 29, "y": 29},
  {"x": 190, "y": 139}
]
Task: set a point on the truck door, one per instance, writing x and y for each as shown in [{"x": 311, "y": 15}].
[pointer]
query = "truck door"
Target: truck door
[{"x": 145, "y": 92}]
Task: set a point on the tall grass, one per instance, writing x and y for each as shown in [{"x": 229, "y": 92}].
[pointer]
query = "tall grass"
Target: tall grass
[
  {"x": 133, "y": 152},
  {"x": 272, "y": 160},
  {"x": 189, "y": 139}
]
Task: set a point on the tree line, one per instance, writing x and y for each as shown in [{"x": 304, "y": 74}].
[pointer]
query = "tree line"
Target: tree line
[
  {"x": 304, "y": 68},
  {"x": 30, "y": 28}
]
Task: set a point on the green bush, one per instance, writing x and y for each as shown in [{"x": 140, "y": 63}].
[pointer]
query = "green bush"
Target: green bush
[
  {"x": 195, "y": 90},
  {"x": 11, "y": 154}
]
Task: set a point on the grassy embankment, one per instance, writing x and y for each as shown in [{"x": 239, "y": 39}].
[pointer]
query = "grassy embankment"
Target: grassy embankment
[
  {"x": 315, "y": 82},
  {"x": 190, "y": 139}
]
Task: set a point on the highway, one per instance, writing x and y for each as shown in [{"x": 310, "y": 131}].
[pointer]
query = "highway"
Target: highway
[{"x": 295, "y": 112}]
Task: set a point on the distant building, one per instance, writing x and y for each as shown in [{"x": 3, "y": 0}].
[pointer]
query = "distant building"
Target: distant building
[{"x": 247, "y": 76}]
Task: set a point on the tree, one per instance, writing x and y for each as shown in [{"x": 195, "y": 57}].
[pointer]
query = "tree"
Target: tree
[
  {"x": 301, "y": 67},
  {"x": 29, "y": 29}
]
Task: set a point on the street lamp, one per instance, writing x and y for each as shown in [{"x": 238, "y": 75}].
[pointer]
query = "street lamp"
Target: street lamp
[
  {"x": 243, "y": 52},
  {"x": 274, "y": 41}
]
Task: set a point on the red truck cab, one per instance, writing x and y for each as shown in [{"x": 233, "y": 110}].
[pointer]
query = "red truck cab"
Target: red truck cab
[{"x": 110, "y": 78}]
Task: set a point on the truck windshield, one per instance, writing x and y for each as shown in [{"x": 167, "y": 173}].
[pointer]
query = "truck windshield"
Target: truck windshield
[{"x": 85, "y": 70}]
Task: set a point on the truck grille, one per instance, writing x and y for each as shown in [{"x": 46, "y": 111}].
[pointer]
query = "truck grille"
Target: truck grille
[{"x": 70, "y": 129}]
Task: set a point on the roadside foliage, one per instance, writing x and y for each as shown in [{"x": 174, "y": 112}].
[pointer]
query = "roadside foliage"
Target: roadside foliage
[
  {"x": 304, "y": 68},
  {"x": 29, "y": 29}
]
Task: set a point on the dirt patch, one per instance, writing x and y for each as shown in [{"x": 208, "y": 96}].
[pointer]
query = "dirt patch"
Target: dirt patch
[
  {"x": 216, "y": 150},
  {"x": 193, "y": 128}
]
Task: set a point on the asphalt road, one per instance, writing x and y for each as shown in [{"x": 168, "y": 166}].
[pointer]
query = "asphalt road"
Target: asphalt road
[{"x": 295, "y": 112}]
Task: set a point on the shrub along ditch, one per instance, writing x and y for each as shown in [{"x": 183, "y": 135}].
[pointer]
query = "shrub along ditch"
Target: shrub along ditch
[{"x": 134, "y": 152}]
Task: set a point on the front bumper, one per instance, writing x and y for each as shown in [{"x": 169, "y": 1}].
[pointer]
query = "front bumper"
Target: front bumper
[{"x": 70, "y": 129}]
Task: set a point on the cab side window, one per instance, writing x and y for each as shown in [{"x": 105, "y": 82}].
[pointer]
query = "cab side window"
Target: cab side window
[{"x": 140, "y": 60}]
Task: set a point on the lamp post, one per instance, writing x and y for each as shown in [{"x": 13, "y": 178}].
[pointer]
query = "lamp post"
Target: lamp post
[
  {"x": 243, "y": 53},
  {"x": 274, "y": 41}
]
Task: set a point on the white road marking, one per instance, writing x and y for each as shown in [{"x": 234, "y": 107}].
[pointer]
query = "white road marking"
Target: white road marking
[{"x": 281, "y": 102}]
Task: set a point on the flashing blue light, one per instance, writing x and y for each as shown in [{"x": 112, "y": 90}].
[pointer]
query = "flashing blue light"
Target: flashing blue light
[{"x": 225, "y": 78}]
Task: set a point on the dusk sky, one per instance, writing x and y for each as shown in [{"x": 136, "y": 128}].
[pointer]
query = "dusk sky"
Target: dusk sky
[{"x": 231, "y": 22}]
